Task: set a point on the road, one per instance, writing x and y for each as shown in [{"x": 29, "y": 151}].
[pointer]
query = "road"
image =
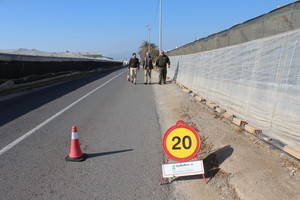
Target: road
[{"x": 118, "y": 128}]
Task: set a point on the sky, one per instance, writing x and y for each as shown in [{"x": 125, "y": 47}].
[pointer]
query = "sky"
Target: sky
[{"x": 116, "y": 28}]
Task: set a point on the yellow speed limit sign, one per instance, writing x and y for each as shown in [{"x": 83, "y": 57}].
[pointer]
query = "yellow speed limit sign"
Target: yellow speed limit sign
[{"x": 181, "y": 142}]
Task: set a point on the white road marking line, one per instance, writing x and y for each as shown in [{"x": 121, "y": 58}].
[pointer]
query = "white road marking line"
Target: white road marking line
[{"x": 18, "y": 140}]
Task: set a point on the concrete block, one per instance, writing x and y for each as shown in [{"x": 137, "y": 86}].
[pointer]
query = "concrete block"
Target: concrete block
[
  {"x": 238, "y": 121},
  {"x": 266, "y": 138},
  {"x": 200, "y": 98},
  {"x": 211, "y": 105},
  {"x": 292, "y": 151},
  {"x": 192, "y": 94},
  {"x": 193, "y": 91},
  {"x": 186, "y": 90},
  {"x": 228, "y": 115},
  {"x": 220, "y": 110},
  {"x": 252, "y": 129}
]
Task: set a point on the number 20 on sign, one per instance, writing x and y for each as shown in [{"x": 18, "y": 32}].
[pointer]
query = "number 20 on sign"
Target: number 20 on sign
[{"x": 181, "y": 142}]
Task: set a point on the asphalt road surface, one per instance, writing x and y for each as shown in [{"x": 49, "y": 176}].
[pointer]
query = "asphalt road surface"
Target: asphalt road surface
[{"x": 118, "y": 128}]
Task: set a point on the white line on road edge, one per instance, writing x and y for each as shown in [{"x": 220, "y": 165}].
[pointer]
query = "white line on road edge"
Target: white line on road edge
[{"x": 18, "y": 140}]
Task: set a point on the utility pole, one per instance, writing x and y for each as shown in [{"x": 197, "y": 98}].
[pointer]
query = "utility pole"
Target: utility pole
[
  {"x": 160, "y": 25},
  {"x": 149, "y": 31}
]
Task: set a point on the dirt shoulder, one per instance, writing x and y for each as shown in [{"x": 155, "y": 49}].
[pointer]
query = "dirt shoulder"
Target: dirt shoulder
[{"x": 238, "y": 165}]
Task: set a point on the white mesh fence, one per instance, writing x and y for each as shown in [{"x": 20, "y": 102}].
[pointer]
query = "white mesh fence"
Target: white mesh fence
[{"x": 258, "y": 81}]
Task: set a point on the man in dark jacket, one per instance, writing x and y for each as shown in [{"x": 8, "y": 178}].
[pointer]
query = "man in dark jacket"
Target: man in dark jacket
[
  {"x": 148, "y": 66},
  {"x": 133, "y": 66},
  {"x": 162, "y": 63}
]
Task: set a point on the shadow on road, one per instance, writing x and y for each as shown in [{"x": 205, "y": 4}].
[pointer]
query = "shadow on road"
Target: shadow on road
[
  {"x": 211, "y": 164},
  {"x": 18, "y": 106},
  {"x": 93, "y": 155},
  {"x": 215, "y": 159}
]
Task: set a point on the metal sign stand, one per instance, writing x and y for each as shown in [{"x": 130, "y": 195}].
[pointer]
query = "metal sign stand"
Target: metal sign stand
[
  {"x": 177, "y": 142},
  {"x": 167, "y": 180}
]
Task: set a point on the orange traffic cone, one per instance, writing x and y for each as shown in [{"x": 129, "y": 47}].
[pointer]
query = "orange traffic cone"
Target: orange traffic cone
[{"x": 75, "y": 154}]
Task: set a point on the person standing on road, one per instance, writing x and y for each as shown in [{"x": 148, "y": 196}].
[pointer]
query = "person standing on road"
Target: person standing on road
[
  {"x": 133, "y": 66},
  {"x": 148, "y": 66},
  {"x": 162, "y": 63}
]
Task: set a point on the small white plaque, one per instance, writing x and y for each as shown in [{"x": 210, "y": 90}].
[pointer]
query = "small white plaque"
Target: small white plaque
[{"x": 183, "y": 169}]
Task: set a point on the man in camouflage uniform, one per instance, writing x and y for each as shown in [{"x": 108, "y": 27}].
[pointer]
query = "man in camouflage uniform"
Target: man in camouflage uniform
[{"x": 162, "y": 63}]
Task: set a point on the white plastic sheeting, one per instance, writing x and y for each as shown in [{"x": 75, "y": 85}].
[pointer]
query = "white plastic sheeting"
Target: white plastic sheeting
[{"x": 258, "y": 81}]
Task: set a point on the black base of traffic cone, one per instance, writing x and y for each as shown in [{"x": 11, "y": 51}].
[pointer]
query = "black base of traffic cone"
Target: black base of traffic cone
[{"x": 80, "y": 159}]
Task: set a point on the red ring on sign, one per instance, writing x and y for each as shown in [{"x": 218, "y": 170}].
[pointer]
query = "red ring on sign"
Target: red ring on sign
[{"x": 169, "y": 155}]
